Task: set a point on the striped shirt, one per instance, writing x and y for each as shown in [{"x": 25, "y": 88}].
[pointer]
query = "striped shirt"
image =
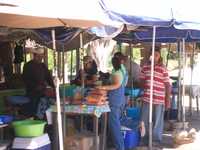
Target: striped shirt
[{"x": 160, "y": 78}]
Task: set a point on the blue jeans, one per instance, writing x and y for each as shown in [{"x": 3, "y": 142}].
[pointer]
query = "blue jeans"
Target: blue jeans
[
  {"x": 115, "y": 127},
  {"x": 158, "y": 121}
]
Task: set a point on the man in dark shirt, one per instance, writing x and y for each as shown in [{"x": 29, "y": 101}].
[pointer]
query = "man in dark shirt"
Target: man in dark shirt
[{"x": 36, "y": 77}]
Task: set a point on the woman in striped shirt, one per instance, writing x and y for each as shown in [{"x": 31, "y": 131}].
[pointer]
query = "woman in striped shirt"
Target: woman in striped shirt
[{"x": 161, "y": 95}]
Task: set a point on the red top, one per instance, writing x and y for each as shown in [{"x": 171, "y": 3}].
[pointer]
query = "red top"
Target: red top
[{"x": 161, "y": 77}]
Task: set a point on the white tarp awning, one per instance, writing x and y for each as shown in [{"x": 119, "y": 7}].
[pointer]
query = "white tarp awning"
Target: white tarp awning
[{"x": 45, "y": 13}]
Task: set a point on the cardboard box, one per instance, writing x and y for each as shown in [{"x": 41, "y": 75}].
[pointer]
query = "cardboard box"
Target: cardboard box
[{"x": 80, "y": 142}]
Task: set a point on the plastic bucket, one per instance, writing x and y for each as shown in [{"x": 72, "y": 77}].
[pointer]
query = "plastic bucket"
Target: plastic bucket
[
  {"x": 131, "y": 139},
  {"x": 133, "y": 92},
  {"x": 4, "y": 119},
  {"x": 133, "y": 112},
  {"x": 29, "y": 128}
]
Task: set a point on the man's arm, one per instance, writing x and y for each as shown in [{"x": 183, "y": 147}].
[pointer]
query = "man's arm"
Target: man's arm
[{"x": 167, "y": 95}]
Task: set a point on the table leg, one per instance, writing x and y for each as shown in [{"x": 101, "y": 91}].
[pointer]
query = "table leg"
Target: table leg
[
  {"x": 104, "y": 131},
  {"x": 96, "y": 133}
]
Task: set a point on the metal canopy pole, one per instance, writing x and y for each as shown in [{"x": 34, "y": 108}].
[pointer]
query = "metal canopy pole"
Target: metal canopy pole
[
  {"x": 77, "y": 60},
  {"x": 131, "y": 55},
  {"x": 183, "y": 85},
  {"x": 151, "y": 89},
  {"x": 59, "y": 119},
  {"x": 191, "y": 81},
  {"x": 82, "y": 54},
  {"x": 179, "y": 82},
  {"x": 71, "y": 65},
  {"x": 63, "y": 94}
]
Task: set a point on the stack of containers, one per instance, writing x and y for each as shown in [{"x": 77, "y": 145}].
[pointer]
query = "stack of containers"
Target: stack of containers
[
  {"x": 30, "y": 136},
  {"x": 131, "y": 131}
]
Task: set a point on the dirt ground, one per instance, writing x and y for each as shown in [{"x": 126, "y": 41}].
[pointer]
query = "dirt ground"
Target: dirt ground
[{"x": 168, "y": 144}]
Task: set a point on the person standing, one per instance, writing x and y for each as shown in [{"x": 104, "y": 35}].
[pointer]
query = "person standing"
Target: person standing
[
  {"x": 161, "y": 95},
  {"x": 116, "y": 102},
  {"x": 36, "y": 77}
]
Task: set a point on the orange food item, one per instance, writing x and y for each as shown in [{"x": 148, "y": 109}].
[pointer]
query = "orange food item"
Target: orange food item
[{"x": 99, "y": 92}]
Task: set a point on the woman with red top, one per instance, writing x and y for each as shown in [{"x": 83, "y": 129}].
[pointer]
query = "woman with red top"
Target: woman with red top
[{"x": 161, "y": 95}]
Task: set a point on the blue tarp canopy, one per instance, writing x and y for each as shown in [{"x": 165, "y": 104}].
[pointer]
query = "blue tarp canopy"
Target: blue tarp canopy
[
  {"x": 163, "y": 34},
  {"x": 139, "y": 12},
  {"x": 183, "y": 14},
  {"x": 67, "y": 38}
]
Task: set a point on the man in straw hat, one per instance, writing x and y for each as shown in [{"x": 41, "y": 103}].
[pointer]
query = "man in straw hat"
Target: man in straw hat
[{"x": 36, "y": 77}]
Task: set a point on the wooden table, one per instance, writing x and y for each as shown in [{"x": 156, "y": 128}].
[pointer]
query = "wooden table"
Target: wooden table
[{"x": 88, "y": 110}]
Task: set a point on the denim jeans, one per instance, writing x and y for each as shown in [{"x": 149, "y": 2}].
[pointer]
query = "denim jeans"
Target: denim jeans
[
  {"x": 115, "y": 127},
  {"x": 158, "y": 121}
]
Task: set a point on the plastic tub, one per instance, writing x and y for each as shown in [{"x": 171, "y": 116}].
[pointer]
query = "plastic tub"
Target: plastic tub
[
  {"x": 131, "y": 139},
  {"x": 133, "y": 112},
  {"x": 133, "y": 92},
  {"x": 67, "y": 90},
  {"x": 29, "y": 128},
  {"x": 4, "y": 119}
]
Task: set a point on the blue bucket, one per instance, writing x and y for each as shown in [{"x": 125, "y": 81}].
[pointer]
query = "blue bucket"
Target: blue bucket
[
  {"x": 133, "y": 92},
  {"x": 131, "y": 139},
  {"x": 4, "y": 119},
  {"x": 133, "y": 112}
]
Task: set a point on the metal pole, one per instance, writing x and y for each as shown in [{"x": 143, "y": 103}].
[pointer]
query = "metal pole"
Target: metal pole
[
  {"x": 82, "y": 54},
  {"x": 179, "y": 82},
  {"x": 59, "y": 63},
  {"x": 59, "y": 119},
  {"x": 63, "y": 64},
  {"x": 54, "y": 48},
  {"x": 63, "y": 74},
  {"x": 191, "y": 80},
  {"x": 77, "y": 60},
  {"x": 151, "y": 89},
  {"x": 183, "y": 85},
  {"x": 131, "y": 55},
  {"x": 71, "y": 65}
]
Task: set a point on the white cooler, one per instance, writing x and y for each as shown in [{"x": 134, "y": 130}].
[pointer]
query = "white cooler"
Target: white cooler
[{"x": 35, "y": 143}]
